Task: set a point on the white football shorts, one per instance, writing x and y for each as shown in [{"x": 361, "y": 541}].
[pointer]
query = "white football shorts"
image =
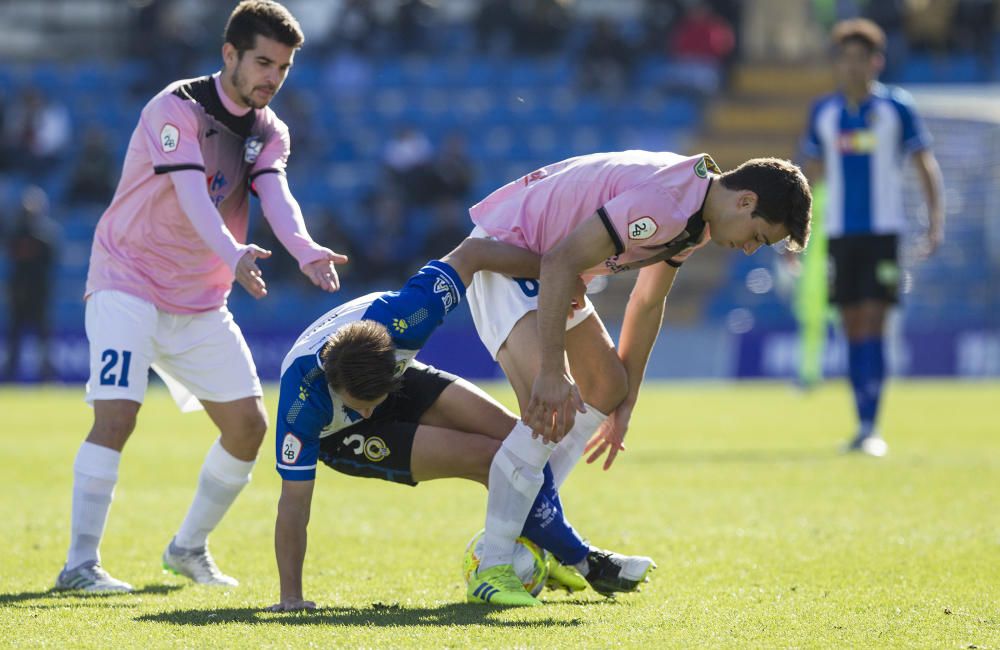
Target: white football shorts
[
  {"x": 198, "y": 356},
  {"x": 497, "y": 302}
]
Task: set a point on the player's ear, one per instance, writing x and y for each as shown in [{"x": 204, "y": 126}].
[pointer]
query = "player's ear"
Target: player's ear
[
  {"x": 748, "y": 200},
  {"x": 229, "y": 54}
]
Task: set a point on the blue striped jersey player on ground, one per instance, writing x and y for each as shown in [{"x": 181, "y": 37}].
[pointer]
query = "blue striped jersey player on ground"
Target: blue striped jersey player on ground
[{"x": 354, "y": 398}]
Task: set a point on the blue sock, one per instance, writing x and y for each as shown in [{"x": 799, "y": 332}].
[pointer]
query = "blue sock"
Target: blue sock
[
  {"x": 547, "y": 526},
  {"x": 857, "y": 369},
  {"x": 874, "y": 378}
]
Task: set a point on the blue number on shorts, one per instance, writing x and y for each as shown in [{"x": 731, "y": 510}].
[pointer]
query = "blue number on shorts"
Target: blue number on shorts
[
  {"x": 110, "y": 359},
  {"x": 528, "y": 286}
]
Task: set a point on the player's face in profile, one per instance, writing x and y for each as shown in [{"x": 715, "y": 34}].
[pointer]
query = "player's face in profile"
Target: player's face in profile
[
  {"x": 856, "y": 66},
  {"x": 364, "y": 407},
  {"x": 741, "y": 229},
  {"x": 257, "y": 75}
]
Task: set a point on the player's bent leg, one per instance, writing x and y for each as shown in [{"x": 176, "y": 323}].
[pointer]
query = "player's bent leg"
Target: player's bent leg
[
  {"x": 520, "y": 357},
  {"x": 225, "y": 472},
  {"x": 463, "y": 406},
  {"x": 596, "y": 366},
  {"x": 242, "y": 424},
  {"x": 440, "y": 452}
]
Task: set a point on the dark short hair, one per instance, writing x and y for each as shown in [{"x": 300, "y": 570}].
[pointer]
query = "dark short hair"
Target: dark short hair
[
  {"x": 859, "y": 30},
  {"x": 264, "y": 17},
  {"x": 360, "y": 358},
  {"x": 783, "y": 194}
]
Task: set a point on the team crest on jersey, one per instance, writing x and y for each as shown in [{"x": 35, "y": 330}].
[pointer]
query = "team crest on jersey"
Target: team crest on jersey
[
  {"x": 291, "y": 447},
  {"x": 448, "y": 298},
  {"x": 643, "y": 228},
  {"x": 252, "y": 148},
  {"x": 375, "y": 449},
  {"x": 170, "y": 137}
]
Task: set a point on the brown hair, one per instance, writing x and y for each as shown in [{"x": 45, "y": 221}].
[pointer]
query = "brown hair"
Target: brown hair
[
  {"x": 783, "y": 194},
  {"x": 265, "y": 17},
  {"x": 360, "y": 358},
  {"x": 859, "y": 30}
]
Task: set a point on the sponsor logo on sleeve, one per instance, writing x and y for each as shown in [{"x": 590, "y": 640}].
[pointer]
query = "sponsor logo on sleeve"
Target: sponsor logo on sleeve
[
  {"x": 252, "y": 148},
  {"x": 170, "y": 136},
  {"x": 643, "y": 228},
  {"x": 291, "y": 447}
]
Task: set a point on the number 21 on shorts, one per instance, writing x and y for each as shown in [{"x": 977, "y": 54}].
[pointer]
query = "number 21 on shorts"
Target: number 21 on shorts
[{"x": 111, "y": 374}]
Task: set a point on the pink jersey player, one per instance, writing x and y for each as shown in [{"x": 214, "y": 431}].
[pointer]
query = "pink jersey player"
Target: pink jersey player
[
  {"x": 165, "y": 255},
  {"x": 645, "y": 200},
  {"x": 591, "y": 215}
]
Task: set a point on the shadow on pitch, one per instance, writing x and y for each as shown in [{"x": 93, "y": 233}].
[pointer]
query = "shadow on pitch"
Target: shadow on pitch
[
  {"x": 377, "y": 614},
  {"x": 104, "y": 598},
  {"x": 738, "y": 456}
]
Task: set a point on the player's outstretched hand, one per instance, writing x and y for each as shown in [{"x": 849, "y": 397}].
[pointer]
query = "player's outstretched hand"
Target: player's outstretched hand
[
  {"x": 552, "y": 409},
  {"x": 292, "y": 605},
  {"x": 610, "y": 436},
  {"x": 322, "y": 271},
  {"x": 248, "y": 273}
]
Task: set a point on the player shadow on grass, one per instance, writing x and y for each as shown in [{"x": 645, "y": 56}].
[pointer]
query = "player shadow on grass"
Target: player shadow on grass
[
  {"x": 377, "y": 614},
  {"x": 102, "y": 597}
]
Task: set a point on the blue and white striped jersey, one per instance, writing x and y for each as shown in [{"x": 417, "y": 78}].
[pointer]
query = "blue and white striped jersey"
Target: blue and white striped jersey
[
  {"x": 863, "y": 149},
  {"x": 307, "y": 408}
]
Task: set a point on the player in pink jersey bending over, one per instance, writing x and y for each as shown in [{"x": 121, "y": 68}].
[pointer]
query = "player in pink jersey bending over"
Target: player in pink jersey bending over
[
  {"x": 596, "y": 215},
  {"x": 164, "y": 258}
]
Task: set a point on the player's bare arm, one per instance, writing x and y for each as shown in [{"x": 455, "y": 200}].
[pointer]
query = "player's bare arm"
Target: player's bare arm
[
  {"x": 643, "y": 320},
  {"x": 554, "y": 396},
  {"x": 930, "y": 179},
  {"x": 290, "y": 543},
  {"x": 479, "y": 254}
]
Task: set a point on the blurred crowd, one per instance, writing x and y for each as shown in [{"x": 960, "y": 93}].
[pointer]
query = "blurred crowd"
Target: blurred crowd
[{"x": 414, "y": 206}]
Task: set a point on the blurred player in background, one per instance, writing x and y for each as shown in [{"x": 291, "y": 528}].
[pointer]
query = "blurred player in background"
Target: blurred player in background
[
  {"x": 354, "y": 398},
  {"x": 858, "y": 140},
  {"x": 164, "y": 257},
  {"x": 595, "y": 215}
]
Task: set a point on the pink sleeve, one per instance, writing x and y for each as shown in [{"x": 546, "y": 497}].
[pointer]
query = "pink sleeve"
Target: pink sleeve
[
  {"x": 171, "y": 131},
  {"x": 643, "y": 215},
  {"x": 283, "y": 213},
  {"x": 201, "y": 212}
]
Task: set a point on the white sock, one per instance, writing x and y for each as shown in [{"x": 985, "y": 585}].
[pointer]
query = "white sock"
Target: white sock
[
  {"x": 222, "y": 478},
  {"x": 515, "y": 478},
  {"x": 570, "y": 448},
  {"x": 95, "y": 472}
]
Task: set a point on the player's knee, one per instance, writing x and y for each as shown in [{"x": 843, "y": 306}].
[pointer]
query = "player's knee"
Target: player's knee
[
  {"x": 249, "y": 428},
  {"x": 609, "y": 388},
  {"x": 112, "y": 428}
]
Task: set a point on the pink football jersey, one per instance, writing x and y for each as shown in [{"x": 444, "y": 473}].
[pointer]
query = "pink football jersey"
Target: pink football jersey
[
  {"x": 145, "y": 244},
  {"x": 645, "y": 199}
]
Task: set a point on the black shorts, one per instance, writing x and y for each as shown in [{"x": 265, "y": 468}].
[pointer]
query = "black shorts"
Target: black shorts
[
  {"x": 380, "y": 447},
  {"x": 863, "y": 267}
]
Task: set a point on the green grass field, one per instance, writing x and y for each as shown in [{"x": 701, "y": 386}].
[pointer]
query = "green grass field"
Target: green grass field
[{"x": 764, "y": 534}]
